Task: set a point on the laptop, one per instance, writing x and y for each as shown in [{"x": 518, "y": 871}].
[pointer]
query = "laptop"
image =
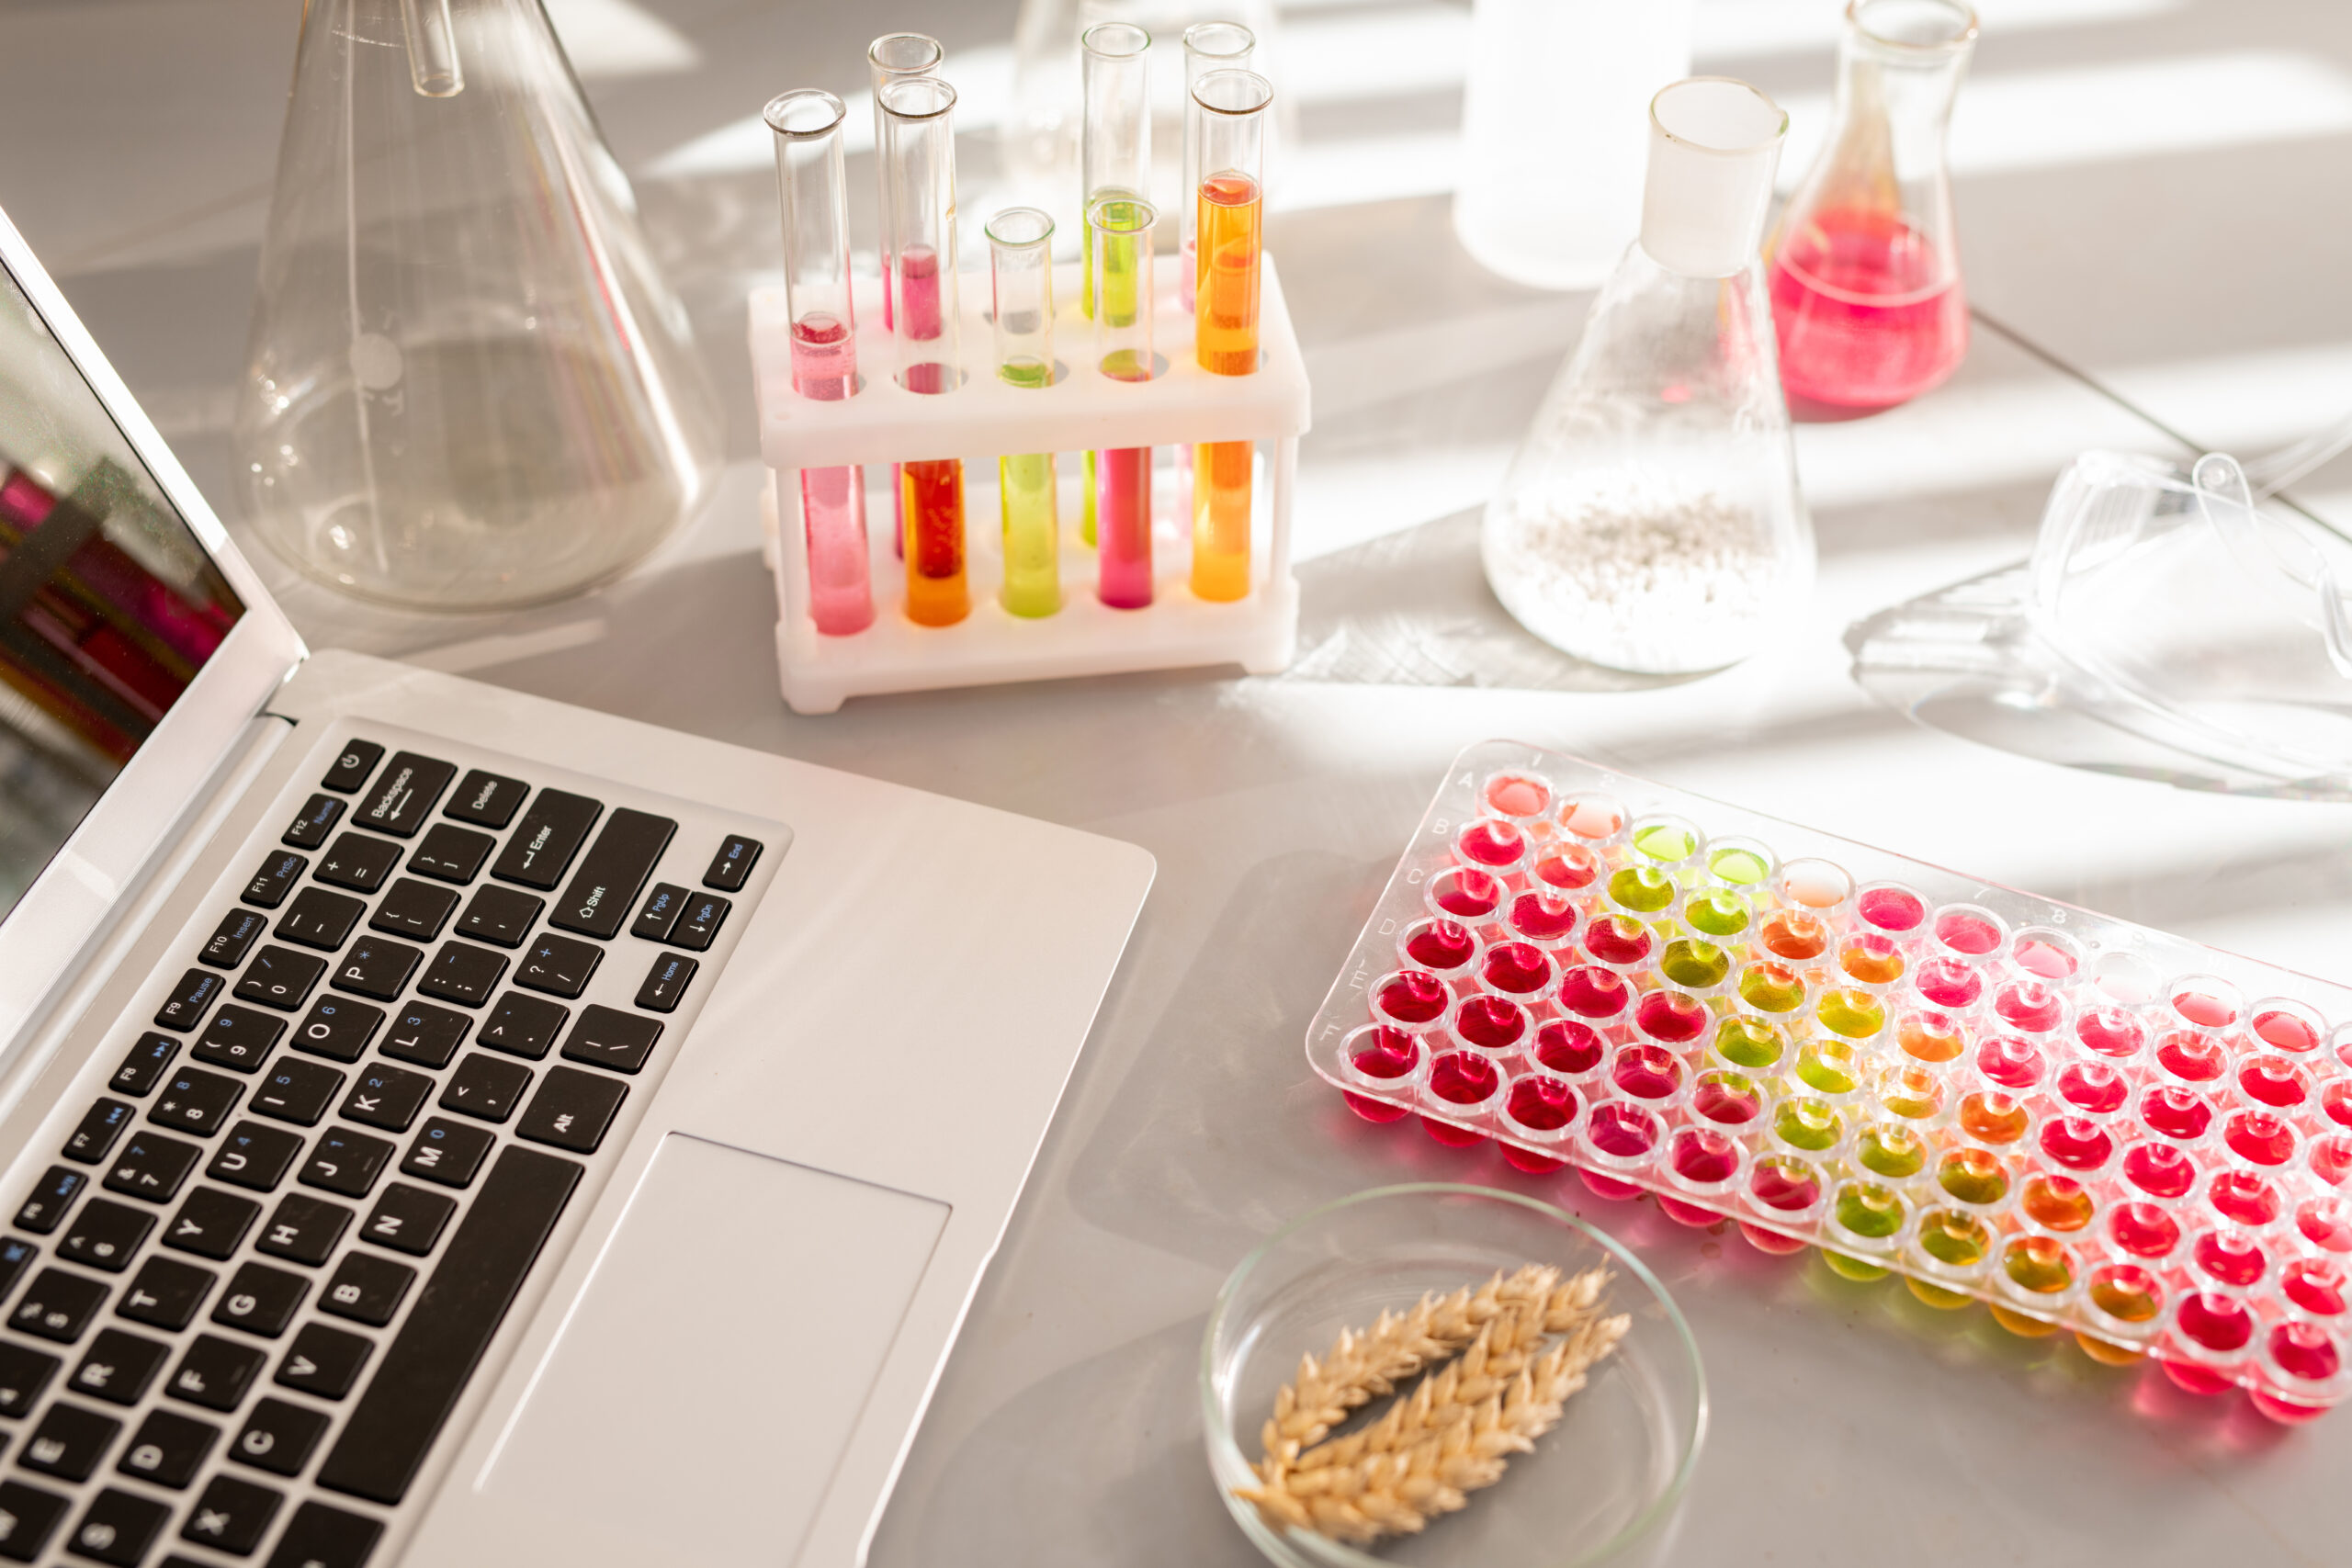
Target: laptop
[{"x": 442, "y": 1126}]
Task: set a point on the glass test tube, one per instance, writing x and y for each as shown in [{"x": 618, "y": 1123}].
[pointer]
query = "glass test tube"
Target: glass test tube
[
  {"x": 1208, "y": 46},
  {"x": 807, "y": 126},
  {"x": 888, "y": 59},
  {"x": 919, "y": 234},
  {"x": 1020, "y": 270},
  {"x": 1230, "y": 201},
  {"x": 1121, "y": 262},
  {"x": 1114, "y": 154}
]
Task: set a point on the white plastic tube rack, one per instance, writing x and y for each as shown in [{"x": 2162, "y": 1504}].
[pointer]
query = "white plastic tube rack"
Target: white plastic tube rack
[{"x": 985, "y": 418}]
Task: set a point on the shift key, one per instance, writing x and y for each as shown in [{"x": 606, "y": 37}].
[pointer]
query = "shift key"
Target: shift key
[
  {"x": 616, "y": 866},
  {"x": 552, "y": 831}
]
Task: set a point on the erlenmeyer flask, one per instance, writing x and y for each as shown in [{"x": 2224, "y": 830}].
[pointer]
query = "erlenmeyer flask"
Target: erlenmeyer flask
[
  {"x": 1650, "y": 521},
  {"x": 466, "y": 384},
  {"x": 1866, "y": 291}
]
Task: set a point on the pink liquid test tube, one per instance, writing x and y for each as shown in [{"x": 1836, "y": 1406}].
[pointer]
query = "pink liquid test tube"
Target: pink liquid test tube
[{"x": 1122, "y": 272}]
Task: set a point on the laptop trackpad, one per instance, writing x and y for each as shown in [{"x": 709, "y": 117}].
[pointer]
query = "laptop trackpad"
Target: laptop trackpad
[{"x": 713, "y": 1368}]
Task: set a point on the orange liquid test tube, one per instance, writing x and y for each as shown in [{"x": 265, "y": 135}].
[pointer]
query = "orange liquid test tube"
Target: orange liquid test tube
[{"x": 1230, "y": 205}]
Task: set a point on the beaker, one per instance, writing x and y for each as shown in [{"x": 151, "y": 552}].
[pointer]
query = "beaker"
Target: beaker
[
  {"x": 468, "y": 385},
  {"x": 1650, "y": 520},
  {"x": 1865, "y": 272}
]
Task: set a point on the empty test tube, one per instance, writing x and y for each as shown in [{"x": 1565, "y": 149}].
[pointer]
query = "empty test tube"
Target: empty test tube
[
  {"x": 1123, "y": 351},
  {"x": 918, "y": 225},
  {"x": 1230, "y": 202},
  {"x": 1020, "y": 271},
  {"x": 1208, "y": 46}
]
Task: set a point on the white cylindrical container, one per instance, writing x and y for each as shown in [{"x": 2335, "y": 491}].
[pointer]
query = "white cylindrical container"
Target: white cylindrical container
[{"x": 1555, "y": 127}]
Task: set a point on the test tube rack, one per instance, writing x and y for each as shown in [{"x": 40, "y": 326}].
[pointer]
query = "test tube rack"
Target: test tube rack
[{"x": 985, "y": 418}]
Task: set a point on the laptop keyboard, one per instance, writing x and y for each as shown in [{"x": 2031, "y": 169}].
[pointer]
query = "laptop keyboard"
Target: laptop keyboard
[{"x": 244, "y": 1301}]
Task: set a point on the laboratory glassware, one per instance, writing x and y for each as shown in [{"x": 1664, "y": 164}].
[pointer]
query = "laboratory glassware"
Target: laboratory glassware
[
  {"x": 919, "y": 229},
  {"x": 1231, "y": 107},
  {"x": 1121, "y": 258},
  {"x": 1208, "y": 46},
  {"x": 1114, "y": 156},
  {"x": 1867, "y": 298},
  {"x": 1650, "y": 520},
  {"x": 466, "y": 384},
  {"x": 1552, "y": 128},
  {"x": 1021, "y": 276},
  {"x": 807, "y": 126},
  {"x": 891, "y": 58}
]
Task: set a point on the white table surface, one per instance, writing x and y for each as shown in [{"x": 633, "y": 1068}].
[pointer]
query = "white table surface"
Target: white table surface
[{"x": 2150, "y": 199}]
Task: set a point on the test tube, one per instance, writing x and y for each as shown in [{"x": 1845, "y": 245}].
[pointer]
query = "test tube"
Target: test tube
[
  {"x": 919, "y": 234},
  {"x": 1208, "y": 46},
  {"x": 1230, "y": 201},
  {"x": 890, "y": 58},
  {"x": 1115, "y": 156},
  {"x": 807, "y": 126},
  {"x": 1020, "y": 271},
  {"x": 1121, "y": 262}
]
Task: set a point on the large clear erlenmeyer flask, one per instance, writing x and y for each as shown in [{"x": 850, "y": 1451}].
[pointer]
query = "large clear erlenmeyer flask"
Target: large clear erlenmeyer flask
[
  {"x": 1650, "y": 520},
  {"x": 468, "y": 385},
  {"x": 1865, "y": 270}
]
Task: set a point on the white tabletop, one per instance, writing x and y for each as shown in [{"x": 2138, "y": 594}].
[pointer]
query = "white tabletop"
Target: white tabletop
[{"x": 2150, "y": 199}]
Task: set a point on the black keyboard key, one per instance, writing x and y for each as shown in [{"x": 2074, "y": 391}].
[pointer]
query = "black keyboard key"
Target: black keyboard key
[
  {"x": 184, "y": 1008},
  {"x": 106, "y": 1235},
  {"x": 313, "y": 822},
  {"x": 165, "y": 1294},
  {"x": 193, "y": 1101},
  {"x": 238, "y": 1038},
  {"x": 426, "y": 1036},
  {"x": 357, "y": 760},
  {"x": 485, "y": 799},
  {"x": 324, "y": 1361},
  {"x": 52, "y": 1195},
  {"x": 447, "y": 1152},
  {"x": 215, "y": 1373},
  {"x": 320, "y": 1537},
  {"x": 359, "y": 862},
  {"x": 210, "y": 1223},
  {"x": 152, "y": 1166},
  {"x": 386, "y": 1097},
  {"x": 95, "y": 1133},
  {"x": 29, "y": 1516},
  {"x": 617, "y": 865},
  {"x": 24, "y": 1373},
  {"x": 58, "y": 1306},
  {"x": 275, "y": 879},
  {"x": 117, "y": 1527},
  {"x": 280, "y": 977},
  {"x": 499, "y": 915},
  {"x": 660, "y": 911},
  {"x": 279, "y": 1438},
  {"x": 225, "y": 948},
  {"x": 260, "y": 1300},
  {"x": 666, "y": 982},
  {"x": 168, "y": 1448},
  {"x": 485, "y": 1087},
  {"x": 69, "y": 1442},
  {"x": 297, "y": 1092},
  {"x": 523, "y": 1026},
  {"x": 407, "y": 1219},
  {"x": 145, "y": 1064},
  {"x": 367, "y": 1288},
  {"x": 377, "y": 966},
  {"x": 463, "y": 974},
  {"x": 16, "y": 1254},
  {"x": 611, "y": 1038},
  {"x": 552, "y": 831},
  {"x": 451, "y": 853},
  {"x": 404, "y": 797},
  {"x": 414, "y": 909},
  {"x": 338, "y": 1029},
  {"x": 253, "y": 1156},
  {"x": 572, "y": 1110},
  {"x": 320, "y": 918},
  {"x": 699, "y": 922},
  {"x": 118, "y": 1367},
  {"x": 731, "y": 867},
  {"x": 347, "y": 1162},
  {"x": 304, "y": 1229},
  {"x": 427, "y": 1365},
  {"x": 558, "y": 964},
  {"x": 233, "y": 1515}
]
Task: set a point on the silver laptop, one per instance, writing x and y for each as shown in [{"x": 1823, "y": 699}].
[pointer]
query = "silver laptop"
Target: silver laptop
[{"x": 442, "y": 1126}]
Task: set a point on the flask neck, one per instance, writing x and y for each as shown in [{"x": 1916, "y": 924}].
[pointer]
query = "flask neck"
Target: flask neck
[{"x": 1899, "y": 67}]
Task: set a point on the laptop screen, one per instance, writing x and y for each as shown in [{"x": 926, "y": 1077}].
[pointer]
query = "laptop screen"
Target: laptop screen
[{"x": 108, "y": 603}]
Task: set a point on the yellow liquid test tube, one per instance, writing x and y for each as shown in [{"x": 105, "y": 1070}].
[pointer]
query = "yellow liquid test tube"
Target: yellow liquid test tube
[
  {"x": 1232, "y": 109},
  {"x": 1115, "y": 156},
  {"x": 1021, "y": 267}
]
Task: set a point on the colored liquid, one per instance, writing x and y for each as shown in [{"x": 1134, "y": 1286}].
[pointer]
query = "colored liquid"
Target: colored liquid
[
  {"x": 1440, "y": 946},
  {"x": 1490, "y": 1023},
  {"x": 1385, "y": 1054},
  {"x": 1829, "y": 1066},
  {"x": 2093, "y": 1086},
  {"x": 937, "y": 594},
  {"x": 2176, "y": 1113},
  {"x": 1816, "y": 884},
  {"x": 1992, "y": 1118},
  {"x": 2144, "y": 1230},
  {"x": 2038, "y": 1263},
  {"x": 1867, "y": 311},
  {"x": 1594, "y": 993},
  {"x": 1703, "y": 1157},
  {"x": 1867, "y": 1210},
  {"x": 1749, "y": 1042},
  {"x": 1696, "y": 965},
  {"x": 2244, "y": 1197},
  {"x": 1516, "y": 795},
  {"x": 1931, "y": 1037},
  {"x": 1572, "y": 868},
  {"x": 1728, "y": 1099},
  {"x": 1619, "y": 938},
  {"x": 1871, "y": 961},
  {"x": 2191, "y": 1057},
  {"x": 2273, "y": 1080},
  {"x": 2303, "y": 1351},
  {"x": 2315, "y": 1285},
  {"x": 1465, "y": 895},
  {"x": 1787, "y": 1186},
  {"x": 832, "y": 500},
  {"x": 2207, "y": 1010},
  {"x": 1671, "y": 1017},
  {"x": 1460, "y": 1077},
  {"x": 1622, "y": 1131},
  {"x": 1123, "y": 526},
  {"x": 2230, "y": 1257},
  {"x": 1807, "y": 1124},
  {"x": 2030, "y": 1006},
  {"x": 1568, "y": 1047},
  {"x": 1412, "y": 998},
  {"x": 1771, "y": 988},
  {"x": 1498, "y": 845},
  {"x": 2042, "y": 957},
  {"x": 2326, "y": 1222},
  {"x": 1968, "y": 932},
  {"x": 1668, "y": 843},
  {"x": 1718, "y": 912},
  {"x": 1643, "y": 889},
  {"x": 1857, "y": 1015},
  {"x": 1853, "y": 1269},
  {"x": 2332, "y": 1158},
  {"x": 2110, "y": 1031},
  {"x": 2011, "y": 1062},
  {"x": 1896, "y": 1153},
  {"x": 1953, "y": 1238},
  {"x": 2077, "y": 1144},
  {"x": 1594, "y": 817},
  {"x": 1794, "y": 935},
  {"x": 1647, "y": 1072},
  {"x": 1033, "y": 575},
  {"x": 1519, "y": 968},
  {"x": 2056, "y": 1202},
  {"x": 1896, "y": 909},
  {"x": 1741, "y": 868},
  {"x": 2259, "y": 1138},
  {"x": 2127, "y": 1292},
  {"x": 2220, "y": 1324},
  {"x": 2286, "y": 1031},
  {"x": 1542, "y": 917},
  {"x": 1949, "y": 983},
  {"x": 2159, "y": 1170},
  {"x": 1973, "y": 1176},
  {"x": 1225, "y": 340},
  {"x": 1542, "y": 1105},
  {"x": 1911, "y": 1092}
]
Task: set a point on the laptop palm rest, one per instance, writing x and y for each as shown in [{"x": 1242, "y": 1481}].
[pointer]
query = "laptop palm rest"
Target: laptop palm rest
[{"x": 722, "y": 1349}]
